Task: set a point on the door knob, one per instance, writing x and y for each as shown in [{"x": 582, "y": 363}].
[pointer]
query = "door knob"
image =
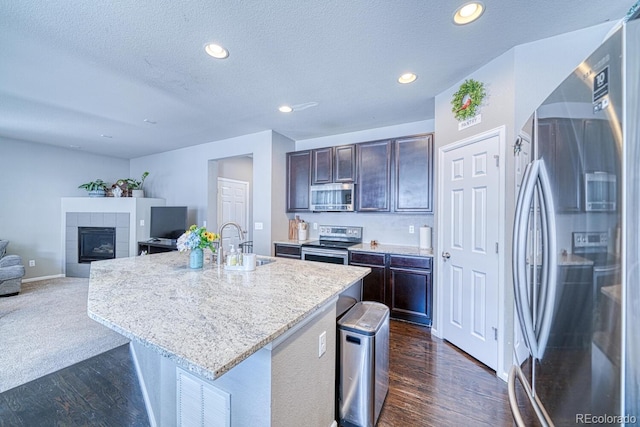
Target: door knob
[{"x": 446, "y": 255}]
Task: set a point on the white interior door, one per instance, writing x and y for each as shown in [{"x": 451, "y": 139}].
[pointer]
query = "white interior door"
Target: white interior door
[
  {"x": 470, "y": 264},
  {"x": 233, "y": 205}
]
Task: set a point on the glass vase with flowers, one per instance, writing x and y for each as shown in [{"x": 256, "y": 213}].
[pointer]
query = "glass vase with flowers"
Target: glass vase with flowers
[{"x": 196, "y": 240}]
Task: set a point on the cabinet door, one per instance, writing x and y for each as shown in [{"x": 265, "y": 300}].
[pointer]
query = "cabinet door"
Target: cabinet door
[
  {"x": 322, "y": 166},
  {"x": 414, "y": 174},
  {"x": 558, "y": 145},
  {"x": 375, "y": 283},
  {"x": 409, "y": 296},
  {"x": 298, "y": 180},
  {"x": 374, "y": 176},
  {"x": 410, "y": 289},
  {"x": 344, "y": 169}
]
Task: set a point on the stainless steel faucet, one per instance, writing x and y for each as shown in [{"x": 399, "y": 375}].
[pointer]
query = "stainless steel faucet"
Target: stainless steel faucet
[{"x": 219, "y": 256}]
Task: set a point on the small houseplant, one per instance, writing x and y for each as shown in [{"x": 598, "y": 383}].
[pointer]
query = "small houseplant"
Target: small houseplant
[
  {"x": 136, "y": 187},
  {"x": 97, "y": 188}
]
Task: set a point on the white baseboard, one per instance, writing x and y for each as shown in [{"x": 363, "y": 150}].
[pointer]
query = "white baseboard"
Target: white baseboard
[{"x": 36, "y": 279}]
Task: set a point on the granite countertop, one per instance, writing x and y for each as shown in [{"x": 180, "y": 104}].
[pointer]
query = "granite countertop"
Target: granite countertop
[
  {"x": 210, "y": 319},
  {"x": 392, "y": 249}
]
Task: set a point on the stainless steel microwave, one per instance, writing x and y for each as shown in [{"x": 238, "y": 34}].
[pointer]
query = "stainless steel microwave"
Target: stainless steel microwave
[
  {"x": 599, "y": 192},
  {"x": 332, "y": 198}
]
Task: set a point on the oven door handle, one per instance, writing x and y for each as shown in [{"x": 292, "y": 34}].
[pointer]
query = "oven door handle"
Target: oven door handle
[{"x": 320, "y": 251}]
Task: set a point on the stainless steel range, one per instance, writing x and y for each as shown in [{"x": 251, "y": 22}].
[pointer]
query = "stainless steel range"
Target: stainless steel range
[{"x": 332, "y": 244}]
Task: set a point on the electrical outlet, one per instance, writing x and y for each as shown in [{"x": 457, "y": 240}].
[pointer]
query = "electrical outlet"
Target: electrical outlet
[
  {"x": 258, "y": 226},
  {"x": 412, "y": 229},
  {"x": 315, "y": 225},
  {"x": 322, "y": 343},
  {"x": 32, "y": 263}
]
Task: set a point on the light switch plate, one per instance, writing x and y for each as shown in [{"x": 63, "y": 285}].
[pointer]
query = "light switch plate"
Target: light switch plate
[{"x": 259, "y": 226}]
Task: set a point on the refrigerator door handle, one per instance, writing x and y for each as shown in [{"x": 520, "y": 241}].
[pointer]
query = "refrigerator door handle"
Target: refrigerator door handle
[
  {"x": 550, "y": 262},
  {"x": 536, "y": 404},
  {"x": 519, "y": 256}
]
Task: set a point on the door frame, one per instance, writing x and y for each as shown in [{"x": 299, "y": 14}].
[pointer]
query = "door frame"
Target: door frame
[{"x": 500, "y": 132}]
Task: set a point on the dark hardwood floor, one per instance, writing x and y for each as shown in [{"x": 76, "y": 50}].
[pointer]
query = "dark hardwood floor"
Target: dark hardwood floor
[
  {"x": 431, "y": 384},
  {"x": 100, "y": 391}
]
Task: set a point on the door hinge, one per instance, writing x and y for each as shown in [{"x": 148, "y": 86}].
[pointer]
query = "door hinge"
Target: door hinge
[
  {"x": 497, "y": 160},
  {"x": 495, "y": 333},
  {"x": 497, "y": 247}
]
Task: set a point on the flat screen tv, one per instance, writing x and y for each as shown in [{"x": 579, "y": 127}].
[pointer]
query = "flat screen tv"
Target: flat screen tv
[{"x": 168, "y": 222}]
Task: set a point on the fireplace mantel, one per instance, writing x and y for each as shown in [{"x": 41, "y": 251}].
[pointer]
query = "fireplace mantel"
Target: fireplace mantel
[{"x": 130, "y": 215}]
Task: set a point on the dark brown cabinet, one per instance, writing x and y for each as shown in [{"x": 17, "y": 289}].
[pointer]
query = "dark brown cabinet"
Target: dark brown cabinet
[
  {"x": 373, "y": 176},
  {"x": 410, "y": 289},
  {"x": 298, "y": 180},
  {"x": 322, "y": 166},
  {"x": 402, "y": 282},
  {"x": 334, "y": 164},
  {"x": 345, "y": 163},
  {"x": 414, "y": 174},
  {"x": 284, "y": 250},
  {"x": 375, "y": 283}
]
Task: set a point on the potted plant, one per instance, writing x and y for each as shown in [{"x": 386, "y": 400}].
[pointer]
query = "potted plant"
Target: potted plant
[
  {"x": 97, "y": 188},
  {"x": 136, "y": 187}
]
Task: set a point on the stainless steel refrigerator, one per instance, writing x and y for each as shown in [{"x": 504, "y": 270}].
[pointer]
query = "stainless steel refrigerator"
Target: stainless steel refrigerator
[{"x": 576, "y": 246}]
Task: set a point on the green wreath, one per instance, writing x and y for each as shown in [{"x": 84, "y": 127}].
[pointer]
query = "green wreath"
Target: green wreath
[{"x": 467, "y": 99}]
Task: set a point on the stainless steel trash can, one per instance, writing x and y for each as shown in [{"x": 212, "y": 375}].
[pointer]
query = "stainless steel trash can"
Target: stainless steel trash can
[{"x": 364, "y": 363}]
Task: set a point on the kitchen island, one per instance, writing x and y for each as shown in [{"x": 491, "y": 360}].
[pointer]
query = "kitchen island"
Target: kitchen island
[{"x": 241, "y": 346}]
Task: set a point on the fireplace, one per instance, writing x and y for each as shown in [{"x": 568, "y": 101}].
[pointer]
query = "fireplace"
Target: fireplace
[{"x": 96, "y": 243}]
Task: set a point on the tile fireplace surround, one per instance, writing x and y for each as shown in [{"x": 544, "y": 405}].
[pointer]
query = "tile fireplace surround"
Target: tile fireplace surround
[{"x": 129, "y": 216}]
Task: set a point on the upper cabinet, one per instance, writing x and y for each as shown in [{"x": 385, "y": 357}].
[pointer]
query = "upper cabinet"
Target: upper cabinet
[
  {"x": 392, "y": 175},
  {"x": 333, "y": 164},
  {"x": 374, "y": 177},
  {"x": 414, "y": 174},
  {"x": 298, "y": 180},
  {"x": 322, "y": 166},
  {"x": 345, "y": 163}
]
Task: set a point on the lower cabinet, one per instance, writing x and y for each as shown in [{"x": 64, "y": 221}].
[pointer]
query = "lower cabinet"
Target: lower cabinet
[
  {"x": 375, "y": 283},
  {"x": 410, "y": 289},
  {"x": 284, "y": 250},
  {"x": 403, "y": 283}
]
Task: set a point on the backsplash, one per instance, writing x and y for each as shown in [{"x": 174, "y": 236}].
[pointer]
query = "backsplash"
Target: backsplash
[{"x": 386, "y": 228}]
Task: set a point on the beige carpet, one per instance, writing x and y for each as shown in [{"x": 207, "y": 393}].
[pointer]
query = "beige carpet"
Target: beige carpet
[{"x": 46, "y": 328}]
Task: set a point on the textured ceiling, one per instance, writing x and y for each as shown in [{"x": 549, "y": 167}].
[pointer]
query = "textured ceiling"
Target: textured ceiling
[{"x": 73, "y": 70}]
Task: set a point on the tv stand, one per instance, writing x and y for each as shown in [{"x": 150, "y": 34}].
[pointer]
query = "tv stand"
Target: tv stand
[{"x": 155, "y": 246}]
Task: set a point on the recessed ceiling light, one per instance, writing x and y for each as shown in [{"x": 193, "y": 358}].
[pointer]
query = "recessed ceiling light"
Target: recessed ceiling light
[
  {"x": 216, "y": 51},
  {"x": 151, "y": 122},
  {"x": 407, "y": 78},
  {"x": 468, "y": 13},
  {"x": 285, "y": 109},
  {"x": 106, "y": 136}
]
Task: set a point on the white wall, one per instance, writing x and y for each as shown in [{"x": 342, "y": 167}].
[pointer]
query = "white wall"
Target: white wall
[
  {"x": 181, "y": 177},
  {"x": 33, "y": 179}
]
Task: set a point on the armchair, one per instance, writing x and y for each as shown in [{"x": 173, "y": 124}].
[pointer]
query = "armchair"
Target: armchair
[{"x": 11, "y": 272}]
